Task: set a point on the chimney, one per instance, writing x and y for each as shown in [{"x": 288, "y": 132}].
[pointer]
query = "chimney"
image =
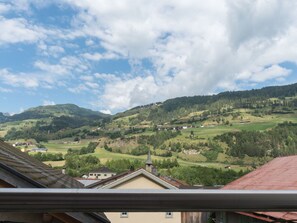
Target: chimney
[{"x": 149, "y": 163}]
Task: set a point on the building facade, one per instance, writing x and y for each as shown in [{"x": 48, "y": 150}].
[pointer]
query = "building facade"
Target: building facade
[{"x": 147, "y": 179}]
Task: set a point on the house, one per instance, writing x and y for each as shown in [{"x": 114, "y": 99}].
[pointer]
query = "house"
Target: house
[
  {"x": 101, "y": 173},
  {"x": 278, "y": 174},
  {"x": 147, "y": 179},
  {"x": 40, "y": 150},
  {"x": 19, "y": 170}
]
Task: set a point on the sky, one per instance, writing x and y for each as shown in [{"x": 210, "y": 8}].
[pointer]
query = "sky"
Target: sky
[{"x": 112, "y": 55}]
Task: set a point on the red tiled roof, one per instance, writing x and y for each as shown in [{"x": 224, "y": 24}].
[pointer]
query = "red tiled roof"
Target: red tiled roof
[{"x": 278, "y": 174}]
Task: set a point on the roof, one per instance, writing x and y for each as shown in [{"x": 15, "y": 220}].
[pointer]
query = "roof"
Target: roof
[
  {"x": 108, "y": 180},
  {"x": 103, "y": 169},
  {"x": 86, "y": 182},
  {"x": 39, "y": 175},
  {"x": 111, "y": 182},
  {"x": 278, "y": 174}
]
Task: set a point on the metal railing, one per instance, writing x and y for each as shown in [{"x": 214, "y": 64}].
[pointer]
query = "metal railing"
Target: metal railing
[{"x": 114, "y": 200}]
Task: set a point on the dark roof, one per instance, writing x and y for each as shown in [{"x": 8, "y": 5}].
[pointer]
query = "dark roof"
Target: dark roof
[
  {"x": 40, "y": 175},
  {"x": 103, "y": 169},
  {"x": 278, "y": 174}
]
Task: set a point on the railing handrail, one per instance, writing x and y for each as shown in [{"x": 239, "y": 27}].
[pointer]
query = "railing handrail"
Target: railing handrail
[{"x": 113, "y": 200}]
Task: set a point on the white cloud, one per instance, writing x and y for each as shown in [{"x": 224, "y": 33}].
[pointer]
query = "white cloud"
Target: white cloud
[
  {"x": 98, "y": 56},
  {"x": 50, "y": 68},
  {"x": 108, "y": 112},
  {"x": 87, "y": 78},
  {"x": 107, "y": 77},
  {"x": 18, "y": 80},
  {"x": 95, "y": 56},
  {"x": 18, "y": 30},
  {"x": 52, "y": 51},
  {"x": 4, "y": 8},
  {"x": 89, "y": 42},
  {"x": 264, "y": 74},
  {"x": 78, "y": 89},
  {"x": 194, "y": 47},
  {"x": 31, "y": 80},
  {"x": 131, "y": 92},
  {"x": 47, "y": 102}
]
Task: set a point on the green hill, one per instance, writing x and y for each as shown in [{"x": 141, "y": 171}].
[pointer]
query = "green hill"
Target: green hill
[
  {"x": 50, "y": 111},
  {"x": 278, "y": 99},
  {"x": 233, "y": 128}
]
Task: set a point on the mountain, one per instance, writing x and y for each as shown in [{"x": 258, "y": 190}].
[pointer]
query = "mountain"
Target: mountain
[
  {"x": 54, "y": 111},
  {"x": 3, "y": 117},
  {"x": 277, "y": 99}
]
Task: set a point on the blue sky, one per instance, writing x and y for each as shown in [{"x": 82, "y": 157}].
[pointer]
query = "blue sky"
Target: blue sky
[{"x": 111, "y": 55}]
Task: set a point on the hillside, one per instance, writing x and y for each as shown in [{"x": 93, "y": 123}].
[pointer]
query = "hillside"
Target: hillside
[
  {"x": 50, "y": 122},
  {"x": 239, "y": 130},
  {"x": 279, "y": 99},
  {"x": 51, "y": 111}
]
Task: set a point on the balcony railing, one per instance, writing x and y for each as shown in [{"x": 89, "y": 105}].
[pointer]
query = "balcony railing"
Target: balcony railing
[{"x": 113, "y": 200}]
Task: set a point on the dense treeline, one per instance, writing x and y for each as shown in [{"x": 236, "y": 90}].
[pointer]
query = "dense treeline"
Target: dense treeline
[
  {"x": 48, "y": 156},
  {"x": 279, "y": 141},
  {"x": 77, "y": 165},
  {"x": 197, "y": 175},
  {"x": 42, "y": 131},
  {"x": 157, "y": 139},
  {"x": 260, "y": 99},
  {"x": 122, "y": 165},
  {"x": 84, "y": 150}
]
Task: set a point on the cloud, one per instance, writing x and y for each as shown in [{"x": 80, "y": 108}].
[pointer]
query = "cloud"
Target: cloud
[
  {"x": 264, "y": 74},
  {"x": 98, "y": 56},
  {"x": 130, "y": 92},
  {"x": 4, "y": 8},
  {"x": 47, "y": 102},
  {"x": 193, "y": 48},
  {"x": 50, "y": 68},
  {"x": 18, "y": 30},
  {"x": 78, "y": 89},
  {"x": 51, "y": 51},
  {"x": 174, "y": 48},
  {"x": 95, "y": 56},
  {"x": 108, "y": 112},
  {"x": 31, "y": 81},
  {"x": 18, "y": 80}
]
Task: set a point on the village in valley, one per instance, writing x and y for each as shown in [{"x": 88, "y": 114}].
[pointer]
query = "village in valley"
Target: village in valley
[{"x": 122, "y": 111}]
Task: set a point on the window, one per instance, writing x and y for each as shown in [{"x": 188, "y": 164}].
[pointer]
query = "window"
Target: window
[
  {"x": 124, "y": 215},
  {"x": 168, "y": 215}
]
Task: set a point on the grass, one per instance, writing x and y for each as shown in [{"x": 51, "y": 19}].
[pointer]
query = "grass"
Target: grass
[{"x": 61, "y": 146}]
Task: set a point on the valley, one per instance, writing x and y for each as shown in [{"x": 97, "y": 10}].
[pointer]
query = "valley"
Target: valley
[{"x": 235, "y": 131}]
